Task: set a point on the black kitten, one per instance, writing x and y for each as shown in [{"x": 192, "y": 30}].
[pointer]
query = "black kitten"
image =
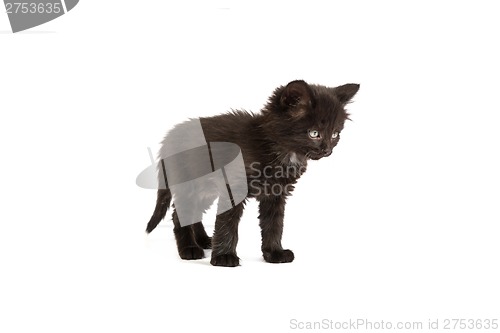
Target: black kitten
[{"x": 299, "y": 122}]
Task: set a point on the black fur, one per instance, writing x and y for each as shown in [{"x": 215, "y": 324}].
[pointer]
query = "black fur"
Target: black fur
[{"x": 276, "y": 140}]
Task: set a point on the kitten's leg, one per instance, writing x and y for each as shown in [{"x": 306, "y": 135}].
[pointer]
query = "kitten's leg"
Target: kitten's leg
[
  {"x": 186, "y": 243},
  {"x": 201, "y": 237},
  {"x": 272, "y": 211},
  {"x": 226, "y": 237}
]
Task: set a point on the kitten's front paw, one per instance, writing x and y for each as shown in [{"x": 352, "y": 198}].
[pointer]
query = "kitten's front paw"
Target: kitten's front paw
[
  {"x": 279, "y": 256},
  {"x": 226, "y": 260},
  {"x": 191, "y": 253}
]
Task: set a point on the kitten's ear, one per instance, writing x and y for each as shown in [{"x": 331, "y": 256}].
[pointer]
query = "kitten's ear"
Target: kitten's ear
[
  {"x": 296, "y": 93},
  {"x": 346, "y": 92}
]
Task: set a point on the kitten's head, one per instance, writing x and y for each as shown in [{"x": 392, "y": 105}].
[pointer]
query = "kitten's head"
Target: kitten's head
[{"x": 307, "y": 119}]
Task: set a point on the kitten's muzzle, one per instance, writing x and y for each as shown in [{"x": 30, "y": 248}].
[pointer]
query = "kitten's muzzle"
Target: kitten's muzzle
[
  {"x": 326, "y": 152},
  {"x": 316, "y": 155}
]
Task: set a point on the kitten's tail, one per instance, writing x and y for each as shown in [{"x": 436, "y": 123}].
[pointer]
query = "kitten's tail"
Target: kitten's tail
[{"x": 162, "y": 204}]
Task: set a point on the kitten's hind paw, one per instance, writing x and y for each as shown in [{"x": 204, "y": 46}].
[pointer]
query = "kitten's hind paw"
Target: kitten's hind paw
[
  {"x": 191, "y": 253},
  {"x": 279, "y": 256},
  {"x": 226, "y": 260}
]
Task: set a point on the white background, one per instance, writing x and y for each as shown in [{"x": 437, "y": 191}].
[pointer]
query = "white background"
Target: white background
[{"x": 401, "y": 223}]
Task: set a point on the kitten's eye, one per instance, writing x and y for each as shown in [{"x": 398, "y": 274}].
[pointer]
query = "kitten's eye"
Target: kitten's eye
[
  {"x": 335, "y": 135},
  {"x": 313, "y": 134}
]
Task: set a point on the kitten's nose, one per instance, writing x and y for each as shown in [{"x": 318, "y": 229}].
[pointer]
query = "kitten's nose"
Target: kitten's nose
[{"x": 326, "y": 152}]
